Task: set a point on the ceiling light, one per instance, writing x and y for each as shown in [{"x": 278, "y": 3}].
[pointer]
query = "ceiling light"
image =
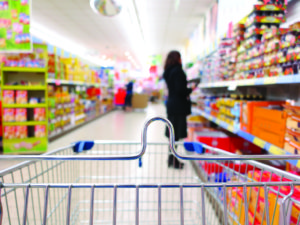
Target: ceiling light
[
  {"x": 127, "y": 53},
  {"x": 68, "y": 45}
]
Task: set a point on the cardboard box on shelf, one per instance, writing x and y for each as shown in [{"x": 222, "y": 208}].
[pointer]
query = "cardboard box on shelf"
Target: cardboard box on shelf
[
  {"x": 8, "y": 115},
  {"x": 21, "y": 97},
  {"x": 21, "y": 132},
  {"x": 9, "y": 132},
  {"x": 139, "y": 101},
  {"x": 270, "y": 125},
  {"x": 21, "y": 115},
  {"x": 8, "y": 96},
  {"x": 247, "y": 111},
  {"x": 293, "y": 122},
  {"x": 291, "y": 146}
]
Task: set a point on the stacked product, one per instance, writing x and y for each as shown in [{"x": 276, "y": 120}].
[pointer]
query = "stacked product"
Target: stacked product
[
  {"x": 229, "y": 110},
  {"x": 292, "y": 136},
  {"x": 93, "y": 103},
  {"x": 24, "y": 115},
  {"x": 208, "y": 105},
  {"x": 225, "y": 50},
  {"x": 79, "y": 111},
  {"x": 210, "y": 68},
  {"x": 264, "y": 119},
  {"x": 74, "y": 70},
  {"x": 251, "y": 54},
  {"x": 36, "y": 59},
  {"x": 269, "y": 123},
  {"x": 70, "y": 69},
  {"x": 238, "y": 37},
  {"x": 61, "y": 109},
  {"x": 196, "y": 124},
  {"x": 55, "y": 67},
  {"x": 289, "y": 52},
  {"x": 256, "y": 201}
]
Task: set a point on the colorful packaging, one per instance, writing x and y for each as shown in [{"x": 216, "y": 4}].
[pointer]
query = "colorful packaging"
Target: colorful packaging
[
  {"x": 8, "y": 115},
  {"x": 21, "y": 97},
  {"x": 40, "y": 131},
  {"x": 9, "y": 132},
  {"x": 39, "y": 114},
  {"x": 21, "y": 132},
  {"x": 8, "y": 96},
  {"x": 21, "y": 115}
]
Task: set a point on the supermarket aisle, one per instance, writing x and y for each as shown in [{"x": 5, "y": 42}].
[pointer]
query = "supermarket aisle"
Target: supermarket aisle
[{"x": 118, "y": 125}]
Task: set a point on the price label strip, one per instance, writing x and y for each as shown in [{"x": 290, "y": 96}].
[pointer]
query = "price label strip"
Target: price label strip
[{"x": 259, "y": 142}]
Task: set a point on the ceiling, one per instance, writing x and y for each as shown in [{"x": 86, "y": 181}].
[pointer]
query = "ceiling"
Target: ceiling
[{"x": 144, "y": 27}]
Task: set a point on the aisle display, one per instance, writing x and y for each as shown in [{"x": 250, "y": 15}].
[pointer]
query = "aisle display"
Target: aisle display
[
  {"x": 259, "y": 47},
  {"x": 74, "y": 91},
  {"x": 15, "y": 26},
  {"x": 23, "y": 100},
  {"x": 258, "y": 52}
]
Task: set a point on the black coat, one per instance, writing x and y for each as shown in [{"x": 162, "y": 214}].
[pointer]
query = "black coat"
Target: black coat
[{"x": 178, "y": 102}]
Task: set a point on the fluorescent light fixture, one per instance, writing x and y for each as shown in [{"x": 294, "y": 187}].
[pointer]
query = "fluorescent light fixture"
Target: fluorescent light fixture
[{"x": 133, "y": 28}]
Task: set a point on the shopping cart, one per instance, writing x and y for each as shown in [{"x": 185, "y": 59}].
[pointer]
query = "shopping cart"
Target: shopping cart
[{"x": 109, "y": 182}]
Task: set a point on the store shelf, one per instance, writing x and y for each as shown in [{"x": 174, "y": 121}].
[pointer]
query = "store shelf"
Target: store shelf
[
  {"x": 39, "y": 105},
  {"x": 66, "y": 82},
  {"x": 20, "y": 87},
  {"x": 289, "y": 79},
  {"x": 24, "y": 69},
  {"x": 27, "y": 123},
  {"x": 79, "y": 117},
  {"x": 69, "y": 129},
  {"x": 249, "y": 137}
]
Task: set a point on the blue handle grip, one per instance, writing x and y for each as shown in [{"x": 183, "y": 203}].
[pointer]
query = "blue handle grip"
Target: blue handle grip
[
  {"x": 83, "y": 146},
  {"x": 140, "y": 162},
  {"x": 194, "y": 147}
]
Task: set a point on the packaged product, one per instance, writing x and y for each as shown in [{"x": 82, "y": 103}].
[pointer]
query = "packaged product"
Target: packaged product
[
  {"x": 21, "y": 97},
  {"x": 21, "y": 115},
  {"x": 8, "y": 97},
  {"x": 9, "y": 132},
  {"x": 21, "y": 132},
  {"x": 8, "y": 115},
  {"x": 40, "y": 131},
  {"x": 39, "y": 114}
]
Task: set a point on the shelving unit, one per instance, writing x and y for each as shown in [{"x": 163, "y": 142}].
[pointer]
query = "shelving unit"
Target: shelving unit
[
  {"x": 249, "y": 137},
  {"x": 66, "y": 82},
  {"x": 28, "y": 135},
  {"x": 39, "y": 105},
  {"x": 290, "y": 79}
]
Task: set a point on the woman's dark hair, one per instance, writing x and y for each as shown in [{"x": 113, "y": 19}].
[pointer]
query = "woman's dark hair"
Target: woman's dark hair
[{"x": 173, "y": 58}]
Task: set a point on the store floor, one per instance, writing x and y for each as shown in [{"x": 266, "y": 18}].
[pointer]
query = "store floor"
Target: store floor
[{"x": 116, "y": 125}]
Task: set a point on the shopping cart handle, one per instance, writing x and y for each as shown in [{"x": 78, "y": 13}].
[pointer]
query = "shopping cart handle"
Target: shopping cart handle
[
  {"x": 83, "y": 146},
  {"x": 194, "y": 147},
  {"x": 86, "y": 145}
]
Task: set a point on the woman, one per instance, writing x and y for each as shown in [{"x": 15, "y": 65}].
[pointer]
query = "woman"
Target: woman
[{"x": 178, "y": 103}]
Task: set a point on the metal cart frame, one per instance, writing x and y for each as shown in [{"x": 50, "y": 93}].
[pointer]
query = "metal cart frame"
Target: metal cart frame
[{"x": 117, "y": 183}]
